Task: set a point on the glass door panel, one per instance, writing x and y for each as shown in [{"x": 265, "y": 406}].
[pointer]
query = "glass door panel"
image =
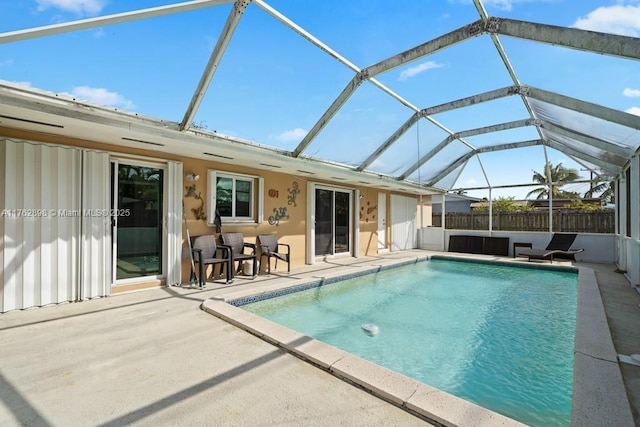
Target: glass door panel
[
  {"x": 333, "y": 222},
  {"x": 138, "y": 229},
  {"x": 324, "y": 222},
  {"x": 342, "y": 221}
]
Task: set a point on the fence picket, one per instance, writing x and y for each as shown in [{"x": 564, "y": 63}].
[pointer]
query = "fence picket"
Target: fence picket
[{"x": 573, "y": 221}]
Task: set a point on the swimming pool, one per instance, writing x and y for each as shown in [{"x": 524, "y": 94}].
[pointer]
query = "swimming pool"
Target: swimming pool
[{"x": 499, "y": 336}]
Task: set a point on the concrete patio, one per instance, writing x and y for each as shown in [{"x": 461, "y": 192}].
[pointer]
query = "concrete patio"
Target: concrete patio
[{"x": 155, "y": 358}]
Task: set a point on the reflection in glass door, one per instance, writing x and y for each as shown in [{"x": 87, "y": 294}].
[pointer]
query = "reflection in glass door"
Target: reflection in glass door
[
  {"x": 138, "y": 202},
  {"x": 332, "y": 222}
]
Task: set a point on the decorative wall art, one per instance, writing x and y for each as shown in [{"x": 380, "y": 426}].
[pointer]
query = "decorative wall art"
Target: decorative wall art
[
  {"x": 369, "y": 211},
  {"x": 199, "y": 211},
  {"x": 293, "y": 193},
  {"x": 279, "y": 213}
]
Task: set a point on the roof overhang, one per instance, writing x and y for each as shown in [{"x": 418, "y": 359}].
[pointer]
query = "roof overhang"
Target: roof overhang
[{"x": 31, "y": 110}]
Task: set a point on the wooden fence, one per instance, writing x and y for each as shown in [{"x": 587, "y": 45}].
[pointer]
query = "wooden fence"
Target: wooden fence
[{"x": 575, "y": 221}]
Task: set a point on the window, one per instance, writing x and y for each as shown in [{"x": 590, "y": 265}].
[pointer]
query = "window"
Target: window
[{"x": 237, "y": 197}]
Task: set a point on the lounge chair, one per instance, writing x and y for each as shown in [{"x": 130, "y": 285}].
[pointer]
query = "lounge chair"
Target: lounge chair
[
  {"x": 205, "y": 252},
  {"x": 559, "y": 246},
  {"x": 272, "y": 249},
  {"x": 237, "y": 244}
]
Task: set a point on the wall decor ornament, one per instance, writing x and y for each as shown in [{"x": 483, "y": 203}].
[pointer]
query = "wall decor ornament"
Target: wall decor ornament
[
  {"x": 199, "y": 211},
  {"x": 273, "y": 193},
  {"x": 293, "y": 193},
  {"x": 370, "y": 210},
  {"x": 279, "y": 213}
]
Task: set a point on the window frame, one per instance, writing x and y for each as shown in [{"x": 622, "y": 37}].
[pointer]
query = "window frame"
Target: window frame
[{"x": 256, "y": 201}]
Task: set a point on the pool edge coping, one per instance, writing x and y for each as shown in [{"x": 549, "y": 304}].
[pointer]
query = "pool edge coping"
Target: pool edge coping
[
  {"x": 599, "y": 396},
  {"x": 599, "y": 393},
  {"x": 419, "y": 399}
]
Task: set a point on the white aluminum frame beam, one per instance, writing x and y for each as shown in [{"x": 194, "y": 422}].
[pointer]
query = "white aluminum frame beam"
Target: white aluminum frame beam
[
  {"x": 466, "y": 157},
  {"x": 345, "y": 94},
  {"x": 100, "y": 21},
  {"x": 304, "y": 33},
  {"x": 574, "y": 153},
  {"x": 214, "y": 60},
  {"x": 456, "y": 36},
  {"x": 531, "y": 184},
  {"x": 393, "y": 138},
  {"x": 609, "y": 147},
  {"x": 505, "y": 59},
  {"x": 589, "y": 41},
  {"x": 487, "y": 96},
  {"x": 471, "y": 132},
  {"x": 328, "y": 114},
  {"x": 588, "y": 108},
  {"x": 472, "y": 100}
]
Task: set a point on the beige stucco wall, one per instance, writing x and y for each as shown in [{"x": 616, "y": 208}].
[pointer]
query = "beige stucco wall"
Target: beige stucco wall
[{"x": 277, "y": 189}]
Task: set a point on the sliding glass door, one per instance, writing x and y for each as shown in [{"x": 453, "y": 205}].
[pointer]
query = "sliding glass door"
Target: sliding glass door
[
  {"x": 332, "y": 221},
  {"x": 138, "y": 208}
]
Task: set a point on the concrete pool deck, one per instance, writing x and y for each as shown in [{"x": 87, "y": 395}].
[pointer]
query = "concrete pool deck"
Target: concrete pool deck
[{"x": 153, "y": 357}]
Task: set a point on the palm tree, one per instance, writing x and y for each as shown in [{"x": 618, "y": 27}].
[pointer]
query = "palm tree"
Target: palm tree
[
  {"x": 558, "y": 176},
  {"x": 605, "y": 190}
]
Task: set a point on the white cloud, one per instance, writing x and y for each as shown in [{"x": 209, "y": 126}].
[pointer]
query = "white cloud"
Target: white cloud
[
  {"x": 377, "y": 165},
  {"x": 503, "y": 5},
  {"x": 634, "y": 110},
  {"x": 420, "y": 68},
  {"x": 80, "y": 7},
  {"x": 619, "y": 19},
  {"x": 631, "y": 93},
  {"x": 471, "y": 182},
  {"x": 6, "y": 63},
  {"x": 101, "y": 96},
  {"x": 291, "y": 135},
  {"x": 499, "y": 4}
]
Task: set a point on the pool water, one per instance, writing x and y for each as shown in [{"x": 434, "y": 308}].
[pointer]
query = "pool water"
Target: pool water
[{"x": 496, "y": 335}]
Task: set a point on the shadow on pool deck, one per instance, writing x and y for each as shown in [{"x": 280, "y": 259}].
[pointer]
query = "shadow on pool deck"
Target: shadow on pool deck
[{"x": 154, "y": 357}]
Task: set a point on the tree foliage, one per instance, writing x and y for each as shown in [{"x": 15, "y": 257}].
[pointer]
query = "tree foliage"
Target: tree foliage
[
  {"x": 558, "y": 176},
  {"x": 505, "y": 205},
  {"x": 582, "y": 206},
  {"x": 603, "y": 189}
]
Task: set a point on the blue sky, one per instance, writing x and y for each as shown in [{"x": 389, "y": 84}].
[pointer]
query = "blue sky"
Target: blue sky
[{"x": 272, "y": 85}]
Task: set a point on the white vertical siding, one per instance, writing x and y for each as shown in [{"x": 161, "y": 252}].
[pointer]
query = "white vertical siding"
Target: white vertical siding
[
  {"x": 3, "y": 184},
  {"x": 174, "y": 223},
  {"x": 65, "y": 185},
  {"x": 311, "y": 223},
  {"x": 39, "y": 247},
  {"x": 62, "y": 251},
  {"x": 96, "y": 226},
  {"x": 403, "y": 222},
  {"x": 628, "y": 240},
  {"x": 633, "y": 244}
]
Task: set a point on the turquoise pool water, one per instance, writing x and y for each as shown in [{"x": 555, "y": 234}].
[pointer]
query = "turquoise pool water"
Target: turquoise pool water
[{"x": 499, "y": 336}]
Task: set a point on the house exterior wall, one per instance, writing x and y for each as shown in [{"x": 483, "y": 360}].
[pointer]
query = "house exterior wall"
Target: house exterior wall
[{"x": 283, "y": 194}]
